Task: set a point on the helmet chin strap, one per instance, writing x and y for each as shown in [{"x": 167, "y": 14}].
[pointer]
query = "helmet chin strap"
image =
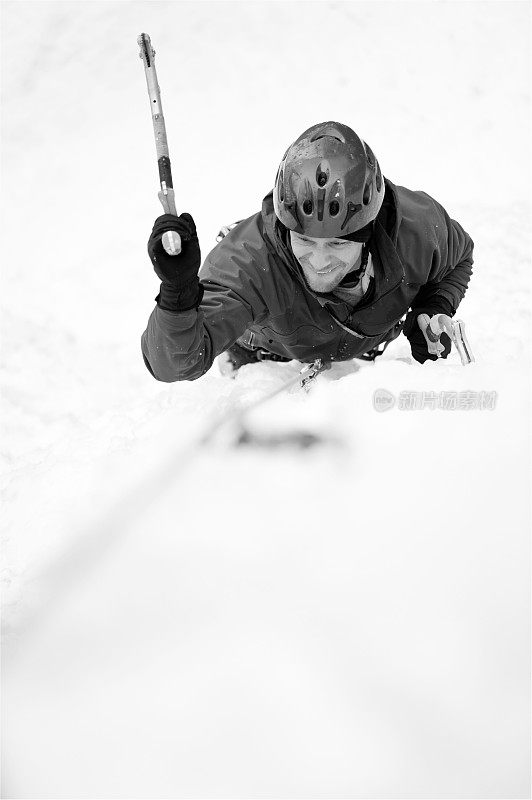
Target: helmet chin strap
[{"x": 353, "y": 278}]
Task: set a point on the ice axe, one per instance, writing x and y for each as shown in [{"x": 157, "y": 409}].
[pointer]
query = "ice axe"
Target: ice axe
[
  {"x": 432, "y": 329},
  {"x": 171, "y": 240}
]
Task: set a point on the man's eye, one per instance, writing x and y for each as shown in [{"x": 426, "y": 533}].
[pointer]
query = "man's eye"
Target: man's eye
[{"x": 339, "y": 244}]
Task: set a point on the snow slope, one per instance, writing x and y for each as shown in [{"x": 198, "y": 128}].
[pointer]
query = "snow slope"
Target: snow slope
[{"x": 351, "y": 620}]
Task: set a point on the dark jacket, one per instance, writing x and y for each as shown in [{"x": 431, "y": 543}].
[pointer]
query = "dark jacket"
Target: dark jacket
[{"x": 255, "y": 291}]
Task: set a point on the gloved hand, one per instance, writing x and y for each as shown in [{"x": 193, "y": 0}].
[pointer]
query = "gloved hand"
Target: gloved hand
[
  {"x": 414, "y": 334},
  {"x": 180, "y": 287}
]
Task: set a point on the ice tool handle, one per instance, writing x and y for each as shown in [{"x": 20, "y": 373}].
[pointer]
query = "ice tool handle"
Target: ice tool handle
[
  {"x": 171, "y": 240},
  {"x": 433, "y": 327}
]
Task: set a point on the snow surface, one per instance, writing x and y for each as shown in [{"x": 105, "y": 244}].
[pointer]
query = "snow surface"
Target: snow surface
[{"x": 350, "y": 620}]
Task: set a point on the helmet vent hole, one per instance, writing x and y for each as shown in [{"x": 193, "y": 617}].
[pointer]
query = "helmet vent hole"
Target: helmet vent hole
[
  {"x": 334, "y": 208},
  {"x": 370, "y": 156},
  {"x": 321, "y": 178},
  {"x": 328, "y": 136},
  {"x": 378, "y": 178},
  {"x": 307, "y": 207},
  {"x": 367, "y": 194}
]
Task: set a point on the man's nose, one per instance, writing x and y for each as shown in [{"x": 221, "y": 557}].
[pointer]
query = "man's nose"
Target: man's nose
[{"x": 319, "y": 259}]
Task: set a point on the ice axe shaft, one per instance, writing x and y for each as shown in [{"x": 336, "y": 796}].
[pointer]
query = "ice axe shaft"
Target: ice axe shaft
[
  {"x": 432, "y": 329},
  {"x": 171, "y": 240}
]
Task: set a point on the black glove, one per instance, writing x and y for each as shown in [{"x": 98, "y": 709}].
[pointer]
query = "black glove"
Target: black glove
[
  {"x": 414, "y": 334},
  {"x": 180, "y": 286}
]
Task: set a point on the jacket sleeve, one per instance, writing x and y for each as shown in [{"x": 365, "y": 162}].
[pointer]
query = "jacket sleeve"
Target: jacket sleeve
[
  {"x": 179, "y": 346},
  {"x": 452, "y": 263}
]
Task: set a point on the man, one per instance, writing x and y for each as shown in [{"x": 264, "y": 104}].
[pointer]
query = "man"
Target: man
[{"x": 328, "y": 269}]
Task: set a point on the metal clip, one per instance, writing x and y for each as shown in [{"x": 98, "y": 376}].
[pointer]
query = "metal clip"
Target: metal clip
[{"x": 309, "y": 372}]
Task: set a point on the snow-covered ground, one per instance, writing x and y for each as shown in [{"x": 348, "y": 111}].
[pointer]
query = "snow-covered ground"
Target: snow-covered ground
[{"x": 350, "y": 620}]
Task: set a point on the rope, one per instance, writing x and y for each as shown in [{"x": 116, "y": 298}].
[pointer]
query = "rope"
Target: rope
[
  {"x": 303, "y": 377},
  {"x": 89, "y": 545}
]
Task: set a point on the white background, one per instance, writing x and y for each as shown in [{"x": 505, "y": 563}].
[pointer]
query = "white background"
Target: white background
[{"x": 350, "y": 621}]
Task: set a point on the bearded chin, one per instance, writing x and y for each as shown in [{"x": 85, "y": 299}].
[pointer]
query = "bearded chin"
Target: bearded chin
[{"x": 322, "y": 284}]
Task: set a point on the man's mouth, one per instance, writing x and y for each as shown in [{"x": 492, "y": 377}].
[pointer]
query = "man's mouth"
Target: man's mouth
[{"x": 305, "y": 262}]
